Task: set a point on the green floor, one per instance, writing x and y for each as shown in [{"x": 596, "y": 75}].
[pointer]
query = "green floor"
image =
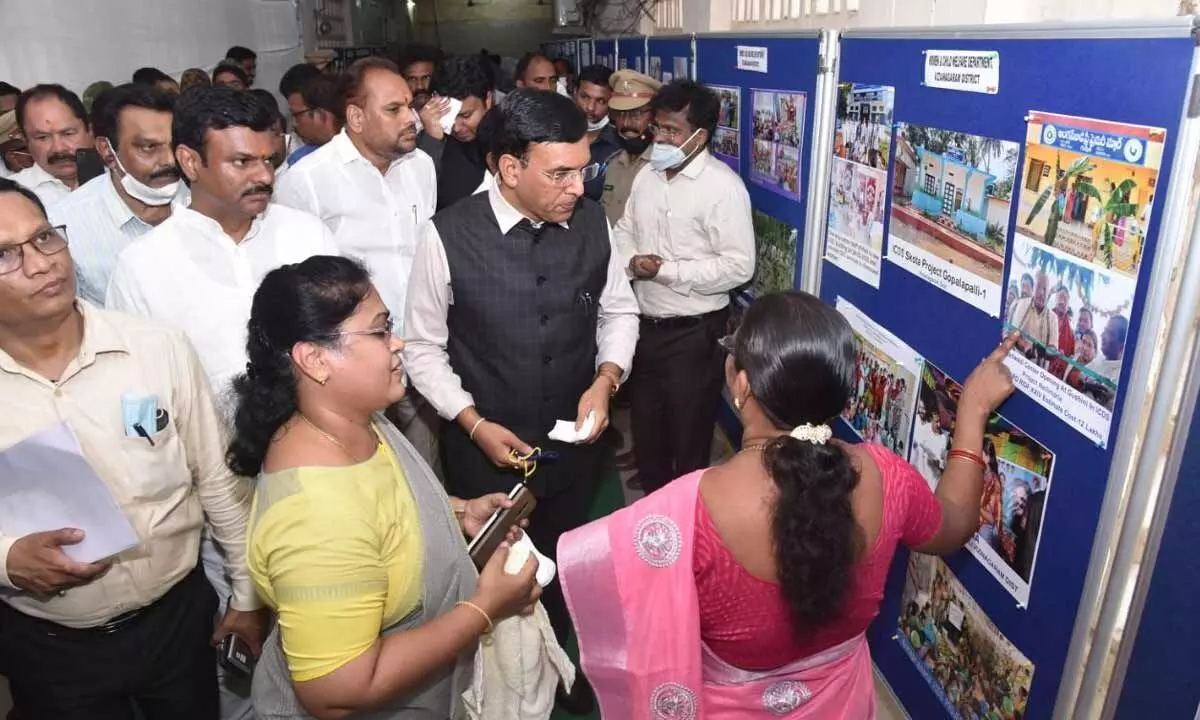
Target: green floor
[{"x": 609, "y": 498}]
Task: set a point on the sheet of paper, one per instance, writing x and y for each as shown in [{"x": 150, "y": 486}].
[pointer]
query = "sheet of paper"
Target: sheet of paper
[{"x": 47, "y": 484}]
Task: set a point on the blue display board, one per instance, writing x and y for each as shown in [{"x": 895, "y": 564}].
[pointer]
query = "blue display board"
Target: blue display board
[
  {"x": 1160, "y": 681},
  {"x": 568, "y": 49},
  {"x": 606, "y": 52},
  {"x": 631, "y": 53},
  {"x": 791, "y": 80},
  {"x": 1100, "y": 78},
  {"x": 668, "y": 55}
]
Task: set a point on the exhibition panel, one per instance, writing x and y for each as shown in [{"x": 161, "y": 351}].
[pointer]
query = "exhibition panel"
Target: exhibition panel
[
  {"x": 670, "y": 56},
  {"x": 974, "y": 193}
]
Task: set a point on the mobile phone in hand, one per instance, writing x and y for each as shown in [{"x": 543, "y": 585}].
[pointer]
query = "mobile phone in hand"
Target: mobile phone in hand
[
  {"x": 484, "y": 545},
  {"x": 235, "y": 655}
]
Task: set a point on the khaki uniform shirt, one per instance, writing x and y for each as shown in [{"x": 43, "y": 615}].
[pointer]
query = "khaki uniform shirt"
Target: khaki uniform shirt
[{"x": 618, "y": 181}]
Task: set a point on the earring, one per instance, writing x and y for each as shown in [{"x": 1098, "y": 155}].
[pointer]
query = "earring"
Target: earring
[
  {"x": 322, "y": 380},
  {"x": 737, "y": 403}
]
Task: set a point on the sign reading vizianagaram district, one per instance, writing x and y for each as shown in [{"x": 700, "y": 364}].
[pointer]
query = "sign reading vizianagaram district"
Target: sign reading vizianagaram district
[{"x": 975, "y": 71}]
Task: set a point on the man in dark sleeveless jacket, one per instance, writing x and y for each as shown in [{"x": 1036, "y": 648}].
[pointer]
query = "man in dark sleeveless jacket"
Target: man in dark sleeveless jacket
[{"x": 519, "y": 314}]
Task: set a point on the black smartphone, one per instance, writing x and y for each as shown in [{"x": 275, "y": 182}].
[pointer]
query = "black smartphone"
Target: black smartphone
[
  {"x": 236, "y": 656},
  {"x": 88, "y": 164},
  {"x": 484, "y": 545}
]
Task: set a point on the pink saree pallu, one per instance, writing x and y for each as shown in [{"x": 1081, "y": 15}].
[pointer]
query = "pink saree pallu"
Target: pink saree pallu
[{"x": 629, "y": 585}]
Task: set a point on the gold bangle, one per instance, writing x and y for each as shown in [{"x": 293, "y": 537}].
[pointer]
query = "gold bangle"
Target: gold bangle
[{"x": 481, "y": 611}]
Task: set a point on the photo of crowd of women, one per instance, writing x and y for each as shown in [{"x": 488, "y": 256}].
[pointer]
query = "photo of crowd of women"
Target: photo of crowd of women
[
  {"x": 726, "y": 141},
  {"x": 1015, "y": 483},
  {"x": 880, "y": 409},
  {"x": 778, "y": 132},
  {"x": 972, "y": 668},
  {"x": 1073, "y": 318}
]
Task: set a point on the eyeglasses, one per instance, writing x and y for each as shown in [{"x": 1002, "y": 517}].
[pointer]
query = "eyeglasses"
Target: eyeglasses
[
  {"x": 50, "y": 241},
  {"x": 383, "y": 333},
  {"x": 668, "y": 133},
  {"x": 562, "y": 178}
]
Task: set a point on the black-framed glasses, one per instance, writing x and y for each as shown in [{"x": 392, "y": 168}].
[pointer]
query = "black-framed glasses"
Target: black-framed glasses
[{"x": 50, "y": 241}]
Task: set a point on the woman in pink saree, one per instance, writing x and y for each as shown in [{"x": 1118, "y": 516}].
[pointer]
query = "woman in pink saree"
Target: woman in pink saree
[{"x": 744, "y": 590}]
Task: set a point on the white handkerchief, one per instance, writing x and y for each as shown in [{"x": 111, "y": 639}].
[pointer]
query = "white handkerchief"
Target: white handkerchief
[
  {"x": 564, "y": 430},
  {"x": 451, "y": 115}
]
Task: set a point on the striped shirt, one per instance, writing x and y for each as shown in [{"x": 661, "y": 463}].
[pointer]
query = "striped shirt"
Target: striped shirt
[{"x": 99, "y": 226}]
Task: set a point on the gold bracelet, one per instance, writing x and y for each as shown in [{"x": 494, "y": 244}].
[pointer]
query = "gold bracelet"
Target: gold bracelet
[{"x": 481, "y": 611}]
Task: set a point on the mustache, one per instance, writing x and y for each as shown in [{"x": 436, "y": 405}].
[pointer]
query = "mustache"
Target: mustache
[
  {"x": 55, "y": 158},
  {"x": 167, "y": 172},
  {"x": 258, "y": 190}
]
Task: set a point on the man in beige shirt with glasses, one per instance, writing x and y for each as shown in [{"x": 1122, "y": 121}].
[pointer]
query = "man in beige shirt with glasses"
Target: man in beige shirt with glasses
[{"x": 133, "y": 633}]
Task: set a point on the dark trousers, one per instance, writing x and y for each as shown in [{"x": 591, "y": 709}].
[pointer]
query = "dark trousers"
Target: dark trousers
[
  {"x": 565, "y": 489},
  {"x": 159, "y": 663},
  {"x": 678, "y": 373}
]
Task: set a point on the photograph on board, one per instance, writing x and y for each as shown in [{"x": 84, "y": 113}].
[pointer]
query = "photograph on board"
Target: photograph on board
[
  {"x": 778, "y": 118},
  {"x": 858, "y": 186},
  {"x": 1087, "y": 200},
  {"x": 655, "y": 67},
  {"x": 726, "y": 141},
  {"x": 775, "y": 267},
  {"x": 679, "y": 67},
  {"x": 1016, "y": 482},
  {"x": 854, "y": 240},
  {"x": 973, "y": 669},
  {"x": 863, "y": 133},
  {"x": 951, "y": 201},
  {"x": 1073, "y": 318},
  {"x": 886, "y": 373}
]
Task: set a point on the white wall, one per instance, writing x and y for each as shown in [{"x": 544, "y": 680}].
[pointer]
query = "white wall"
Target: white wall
[
  {"x": 77, "y": 42},
  {"x": 505, "y": 27},
  {"x": 717, "y": 15}
]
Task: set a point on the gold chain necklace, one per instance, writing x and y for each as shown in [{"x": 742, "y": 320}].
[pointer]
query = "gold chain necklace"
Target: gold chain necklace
[
  {"x": 329, "y": 437},
  {"x": 750, "y": 448}
]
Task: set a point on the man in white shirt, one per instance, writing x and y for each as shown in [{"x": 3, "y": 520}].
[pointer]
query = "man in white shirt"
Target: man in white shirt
[
  {"x": 133, "y": 135},
  {"x": 134, "y": 632},
  {"x": 55, "y": 125},
  {"x": 199, "y": 269},
  {"x": 374, "y": 189},
  {"x": 519, "y": 314},
  {"x": 687, "y": 240}
]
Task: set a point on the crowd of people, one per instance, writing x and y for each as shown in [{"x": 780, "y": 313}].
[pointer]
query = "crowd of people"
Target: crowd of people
[
  {"x": 1077, "y": 355},
  {"x": 309, "y": 353}
]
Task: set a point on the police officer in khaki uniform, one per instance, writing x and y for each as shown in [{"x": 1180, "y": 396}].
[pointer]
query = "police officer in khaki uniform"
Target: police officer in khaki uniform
[{"x": 631, "y": 117}]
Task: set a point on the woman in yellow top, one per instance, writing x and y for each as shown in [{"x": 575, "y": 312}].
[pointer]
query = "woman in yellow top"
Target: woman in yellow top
[{"x": 352, "y": 540}]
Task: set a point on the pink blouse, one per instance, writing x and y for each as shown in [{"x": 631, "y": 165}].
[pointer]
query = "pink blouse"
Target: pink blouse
[{"x": 745, "y": 620}]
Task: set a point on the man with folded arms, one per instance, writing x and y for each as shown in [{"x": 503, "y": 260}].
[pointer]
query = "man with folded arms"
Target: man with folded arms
[{"x": 133, "y": 635}]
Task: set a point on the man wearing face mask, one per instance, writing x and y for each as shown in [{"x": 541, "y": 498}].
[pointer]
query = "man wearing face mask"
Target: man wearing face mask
[
  {"x": 630, "y": 111},
  {"x": 373, "y": 189},
  {"x": 198, "y": 270},
  {"x": 55, "y": 125},
  {"x": 140, "y": 190},
  {"x": 592, "y": 95},
  {"x": 686, "y": 239},
  {"x": 519, "y": 314}
]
